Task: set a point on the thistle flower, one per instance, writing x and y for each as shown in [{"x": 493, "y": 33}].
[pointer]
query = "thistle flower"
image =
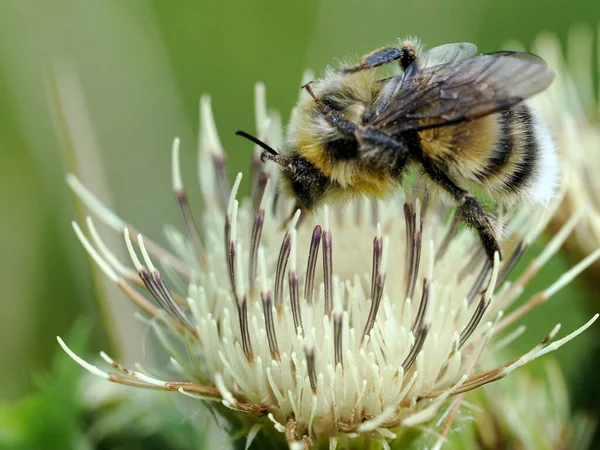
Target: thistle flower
[{"x": 347, "y": 328}]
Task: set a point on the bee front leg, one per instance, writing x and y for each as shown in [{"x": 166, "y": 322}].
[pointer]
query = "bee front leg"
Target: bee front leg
[{"x": 304, "y": 212}]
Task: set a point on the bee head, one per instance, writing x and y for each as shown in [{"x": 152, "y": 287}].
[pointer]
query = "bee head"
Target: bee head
[{"x": 304, "y": 181}]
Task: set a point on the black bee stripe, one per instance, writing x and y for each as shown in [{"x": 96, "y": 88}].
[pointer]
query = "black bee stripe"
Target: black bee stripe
[
  {"x": 503, "y": 148},
  {"x": 343, "y": 148},
  {"x": 412, "y": 140},
  {"x": 528, "y": 150}
]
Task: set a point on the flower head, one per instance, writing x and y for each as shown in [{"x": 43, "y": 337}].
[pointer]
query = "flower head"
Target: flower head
[{"x": 348, "y": 326}]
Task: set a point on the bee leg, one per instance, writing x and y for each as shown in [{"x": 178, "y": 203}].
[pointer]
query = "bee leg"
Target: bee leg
[
  {"x": 396, "y": 150},
  {"x": 405, "y": 55},
  {"x": 392, "y": 153},
  {"x": 469, "y": 210},
  {"x": 303, "y": 214},
  {"x": 363, "y": 135},
  {"x": 335, "y": 118},
  {"x": 472, "y": 213},
  {"x": 376, "y": 59}
]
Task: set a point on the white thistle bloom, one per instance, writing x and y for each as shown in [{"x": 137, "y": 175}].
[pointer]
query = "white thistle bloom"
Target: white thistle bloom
[{"x": 345, "y": 328}]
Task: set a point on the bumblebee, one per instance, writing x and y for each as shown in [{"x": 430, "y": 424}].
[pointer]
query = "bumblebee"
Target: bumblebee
[{"x": 457, "y": 117}]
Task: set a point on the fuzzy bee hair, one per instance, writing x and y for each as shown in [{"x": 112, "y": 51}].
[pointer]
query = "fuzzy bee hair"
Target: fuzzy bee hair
[{"x": 456, "y": 117}]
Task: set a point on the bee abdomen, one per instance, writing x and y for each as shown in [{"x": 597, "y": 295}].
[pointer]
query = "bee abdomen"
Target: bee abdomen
[
  {"x": 526, "y": 149},
  {"x": 502, "y": 150},
  {"x": 522, "y": 163}
]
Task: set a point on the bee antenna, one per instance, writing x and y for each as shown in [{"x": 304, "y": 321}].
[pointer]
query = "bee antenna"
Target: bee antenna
[{"x": 257, "y": 142}]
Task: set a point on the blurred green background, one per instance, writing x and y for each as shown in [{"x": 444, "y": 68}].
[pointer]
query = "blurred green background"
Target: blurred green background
[{"x": 142, "y": 66}]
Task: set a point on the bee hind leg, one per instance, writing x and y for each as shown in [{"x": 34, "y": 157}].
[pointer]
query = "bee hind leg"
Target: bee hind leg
[
  {"x": 472, "y": 214},
  {"x": 469, "y": 211}
]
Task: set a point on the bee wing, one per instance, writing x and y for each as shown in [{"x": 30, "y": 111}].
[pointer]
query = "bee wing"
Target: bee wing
[
  {"x": 462, "y": 90},
  {"x": 445, "y": 54}
]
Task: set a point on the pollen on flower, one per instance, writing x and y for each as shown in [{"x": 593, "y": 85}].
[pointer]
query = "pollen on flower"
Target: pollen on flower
[{"x": 354, "y": 321}]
